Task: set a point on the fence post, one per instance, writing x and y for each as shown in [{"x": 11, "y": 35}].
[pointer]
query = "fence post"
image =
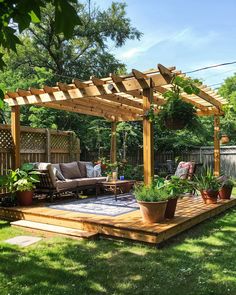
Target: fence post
[
  {"x": 48, "y": 145},
  {"x": 71, "y": 145}
]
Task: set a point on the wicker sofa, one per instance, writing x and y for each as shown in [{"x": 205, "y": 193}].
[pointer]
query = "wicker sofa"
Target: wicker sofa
[{"x": 65, "y": 177}]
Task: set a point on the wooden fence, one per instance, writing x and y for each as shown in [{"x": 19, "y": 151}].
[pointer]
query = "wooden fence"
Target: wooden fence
[
  {"x": 203, "y": 155},
  {"x": 38, "y": 145}
]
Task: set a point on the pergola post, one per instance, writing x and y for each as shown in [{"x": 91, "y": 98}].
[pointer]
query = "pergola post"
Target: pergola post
[
  {"x": 217, "y": 145},
  {"x": 15, "y": 131},
  {"x": 113, "y": 143},
  {"x": 148, "y": 143}
]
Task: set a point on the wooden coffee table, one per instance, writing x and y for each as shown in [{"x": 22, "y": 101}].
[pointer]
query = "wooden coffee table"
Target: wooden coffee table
[{"x": 117, "y": 187}]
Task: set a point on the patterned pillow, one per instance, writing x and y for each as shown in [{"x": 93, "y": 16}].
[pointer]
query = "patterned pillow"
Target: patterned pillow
[
  {"x": 97, "y": 170},
  {"x": 182, "y": 172},
  {"x": 90, "y": 170}
]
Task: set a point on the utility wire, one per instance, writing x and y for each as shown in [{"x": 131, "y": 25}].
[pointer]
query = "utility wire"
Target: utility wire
[{"x": 210, "y": 67}]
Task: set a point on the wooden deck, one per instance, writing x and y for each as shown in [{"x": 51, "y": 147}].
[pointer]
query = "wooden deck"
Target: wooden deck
[{"x": 190, "y": 211}]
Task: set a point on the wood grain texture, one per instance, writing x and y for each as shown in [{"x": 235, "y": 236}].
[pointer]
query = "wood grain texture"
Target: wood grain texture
[{"x": 190, "y": 211}]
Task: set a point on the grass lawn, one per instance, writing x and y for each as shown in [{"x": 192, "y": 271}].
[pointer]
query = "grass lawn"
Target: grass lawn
[{"x": 200, "y": 261}]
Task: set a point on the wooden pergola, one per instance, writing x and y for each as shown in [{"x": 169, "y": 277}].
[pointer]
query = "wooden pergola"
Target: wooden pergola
[{"x": 119, "y": 98}]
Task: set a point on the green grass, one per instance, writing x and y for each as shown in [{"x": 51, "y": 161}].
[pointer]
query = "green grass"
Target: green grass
[{"x": 201, "y": 261}]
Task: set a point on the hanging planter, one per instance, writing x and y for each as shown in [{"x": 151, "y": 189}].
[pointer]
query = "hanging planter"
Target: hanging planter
[
  {"x": 176, "y": 113},
  {"x": 224, "y": 139}
]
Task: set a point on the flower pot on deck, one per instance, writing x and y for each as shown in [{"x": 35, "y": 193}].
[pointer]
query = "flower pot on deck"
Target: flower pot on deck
[
  {"x": 170, "y": 208},
  {"x": 225, "y": 192},
  {"x": 25, "y": 198},
  {"x": 152, "y": 211},
  {"x": 209, "y": 196}
]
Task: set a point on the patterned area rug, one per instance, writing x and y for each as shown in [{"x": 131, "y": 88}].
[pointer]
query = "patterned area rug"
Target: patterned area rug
[{"x": 104, "y": 205}]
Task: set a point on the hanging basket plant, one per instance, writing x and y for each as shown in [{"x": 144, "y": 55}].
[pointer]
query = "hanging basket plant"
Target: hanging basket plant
[{"x": 176, "y": 113}]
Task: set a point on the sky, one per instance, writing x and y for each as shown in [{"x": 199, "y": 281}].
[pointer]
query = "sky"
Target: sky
[{"x": 188, "y": 34}]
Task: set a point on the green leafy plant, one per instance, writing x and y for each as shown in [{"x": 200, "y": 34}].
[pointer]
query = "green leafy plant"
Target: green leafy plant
[
  {"x": 207, "y": 181},
  {"x": 161, "y": 189},
  {"x": 21, "y": 179},
  {"x": 176, "y": 186},
  {"x": 226, "y": 181},
  {"x": 150, "y": 193},
  {"x": 177, "y": 113}
]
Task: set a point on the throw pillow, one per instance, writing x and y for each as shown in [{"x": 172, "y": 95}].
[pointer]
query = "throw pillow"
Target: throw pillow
[
  {"x": 70, "y": 170},
  {"x": 182, "y": 173},
  {"x": 82, "y": 168},
  {"x": 90, "y": 170},
  {"x": 97, "y": 170}
]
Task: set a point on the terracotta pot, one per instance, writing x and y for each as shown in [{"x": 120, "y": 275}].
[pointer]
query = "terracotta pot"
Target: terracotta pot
[
  {"x": 170, "y": 208},
  {"x": 25, "y": 198},
  {"x": 225, "y": 192},
  {"x": 224, "y": 139},
  {"x": 152, "y": 211},
  {"x": 209, "y": 196}
]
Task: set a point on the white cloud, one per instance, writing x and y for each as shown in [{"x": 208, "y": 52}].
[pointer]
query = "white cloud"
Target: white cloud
[{"x": 187, "y": 37}]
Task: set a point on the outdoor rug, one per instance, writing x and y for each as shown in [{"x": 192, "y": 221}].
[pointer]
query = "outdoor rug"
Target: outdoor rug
[{"x": 104, "y": 205}]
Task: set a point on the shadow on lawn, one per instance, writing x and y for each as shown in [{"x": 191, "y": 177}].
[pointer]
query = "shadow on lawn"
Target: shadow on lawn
[{"x": 191, "y": 264}]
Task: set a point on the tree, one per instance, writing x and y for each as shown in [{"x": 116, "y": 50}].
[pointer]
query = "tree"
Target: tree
[
  {"x": 46, "y": 58},
  {"x": 228, "y": 122},
  {"x": 16, "y": 16}
]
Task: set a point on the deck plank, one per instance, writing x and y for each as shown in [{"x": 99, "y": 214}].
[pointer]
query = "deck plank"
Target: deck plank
[{"x": 190, "y": 211}]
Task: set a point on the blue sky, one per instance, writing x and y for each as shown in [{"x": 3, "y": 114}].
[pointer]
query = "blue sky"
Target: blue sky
[{"x": 189, "y": 34}]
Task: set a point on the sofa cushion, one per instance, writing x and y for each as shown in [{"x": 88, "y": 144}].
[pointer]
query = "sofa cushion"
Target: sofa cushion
[
  {"x": 82, "y": 167},
  {"x": 86, "y": 181},
  {"x": 57, "y": 172},
  {"x": 70, "y": 170},
  {"x": 89, "y": 181},
  {"x": 69, "y": 184}
]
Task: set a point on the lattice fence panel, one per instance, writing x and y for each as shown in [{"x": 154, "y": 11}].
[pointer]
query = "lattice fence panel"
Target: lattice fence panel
[
  {"x": 6, "y": 142},
  {"x": 60, "y": 142},
  {"x": 33, "y": 141}
]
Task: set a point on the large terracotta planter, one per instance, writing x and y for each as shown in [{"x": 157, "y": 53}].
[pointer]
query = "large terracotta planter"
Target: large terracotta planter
[
  {"x": 25, "y": 198},
  {"x": 225, "y": 192},
  {"x": 170, "y": 208},
  {"x": 209, "y": 196},
  {"x": 152, "y": 211}
]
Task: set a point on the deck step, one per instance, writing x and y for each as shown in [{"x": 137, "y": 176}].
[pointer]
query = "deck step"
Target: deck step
[{"x": 54, "y": 229}]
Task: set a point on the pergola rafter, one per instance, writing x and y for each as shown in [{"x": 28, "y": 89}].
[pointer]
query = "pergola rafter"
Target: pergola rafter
[{"x": 120, "y": 98}]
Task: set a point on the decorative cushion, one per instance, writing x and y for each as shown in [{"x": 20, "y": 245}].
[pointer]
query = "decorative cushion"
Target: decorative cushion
[
  {"x": 70, "y": 170},
  {"x": 97, "y": 170},
  {"x": 182, "y": 172},
  {"x": 189, "y": 165},
  {"x": 90, "y": 170},
  {"x": 82, "y": 168},
  {"x": 57, "y": 172}
]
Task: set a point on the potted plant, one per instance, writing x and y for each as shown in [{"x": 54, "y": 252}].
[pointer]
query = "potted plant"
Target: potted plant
[
  {"x": 152, "y": 201},
  {"x": 227, "y": 185},
  {"x": 171, "y": 113},
  {"x": 176, "y": 187},
  {"x": 22, "y": 183},
  {"x": 209, "y": 186}
]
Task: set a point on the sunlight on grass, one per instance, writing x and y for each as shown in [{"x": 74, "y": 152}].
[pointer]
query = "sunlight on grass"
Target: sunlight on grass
[{"x": 201, "y": 259}]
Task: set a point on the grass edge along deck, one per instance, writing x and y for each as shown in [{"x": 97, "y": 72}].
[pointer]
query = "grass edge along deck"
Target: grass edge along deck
[{"x": 122, "y": 227}]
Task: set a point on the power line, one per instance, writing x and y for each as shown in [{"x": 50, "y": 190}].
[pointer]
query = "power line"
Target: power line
[{"x": 210, "y": 67}]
